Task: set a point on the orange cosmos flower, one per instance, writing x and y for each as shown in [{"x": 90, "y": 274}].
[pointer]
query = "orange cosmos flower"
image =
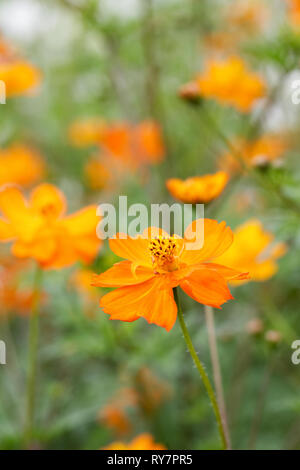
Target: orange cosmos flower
[
  {"x": 19, "y": 76},
  {"x": 117, "y": 143},
  {"x": 115, "y": 413},
  {"x": 134, "y": 145},
  {"x": 221, "y": 41},
  {"x": 97, "y": 173},
  {"x": 294, "y": 12},
  {"x": 242, "y": 17},
  {"x": 267, "y": 150},
  {"x": 248, "y": 16},
  {"x": 146, "y": 395},
  {"x": 253, "y": 250},
  {"x": 148, "y": 142},
  {"x": 14, "y": 298},
  {"x": 116, "y": 419},
  {"x": 151, "y": 391},
  {"x": 130, "y": 145},
  {"x": 199, "y": 189},
  {"x": 87, "y": 132},
  {"x": 81, "y": 280},
  {"x": 142, "y": 442},
  {"x": 232, "y": 83},
  {"x": 40, "y": 229},
  {"x": 156, "y": 263},
  {"x": 21, "y": 165}
]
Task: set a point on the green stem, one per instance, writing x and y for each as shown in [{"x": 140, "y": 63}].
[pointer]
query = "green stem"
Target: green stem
[
  {"x": 201, "y": 370},
  {"x": 210, "y": 322},
  {"x": 32, "y": 360}
]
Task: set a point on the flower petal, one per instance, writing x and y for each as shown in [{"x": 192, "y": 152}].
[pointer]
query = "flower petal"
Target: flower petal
[
  {"x": 122, "y": 274},
  {"x": 42, "y": 249},
  {"x": 19, "y": 77},
  {"x": 152, "y": 300},
  {"x": 7, "y": 231},
  {"x": 86, "y": 247},
  {"x": 13, "y": 206},
  {"x": 207, "y": 287},
  {"x": 152, "y": 232},
  {"x": 227, "y": 273},
  {"x": 132, "y": 249},
  {"x": 217, "y": 239},
  {"x": 48, "y": 201},
  {"x": 262, "y": 271},
  {"x": 83, "y": 222},
  {"x": 12, "y": 203}
]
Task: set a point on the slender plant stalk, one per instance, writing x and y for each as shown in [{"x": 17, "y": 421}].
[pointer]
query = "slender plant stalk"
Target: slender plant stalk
[
  {"x": 210, "y": 323},
  {"x": 32, "y": 360},
  {"x": 201, "y": 370}
]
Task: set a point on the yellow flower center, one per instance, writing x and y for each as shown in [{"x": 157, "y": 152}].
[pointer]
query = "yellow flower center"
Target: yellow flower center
[
  {"x": 49, "y": 210},
  {"x": 164, "y": 253}
]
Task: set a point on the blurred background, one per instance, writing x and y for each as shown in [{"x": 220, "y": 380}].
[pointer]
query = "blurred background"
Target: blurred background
[{"x": 119, "y": 97}]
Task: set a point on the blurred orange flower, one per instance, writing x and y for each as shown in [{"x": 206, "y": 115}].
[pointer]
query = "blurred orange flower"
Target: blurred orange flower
[
  {"x": 253, "y": 250},
  {"x": 146, "y": 394},
  {"x": 115, "y": 413},
  {"x": 116, "y": 140},
  {"x": 21, "y": 165},
  {"x": 134, "y": 145},
  {"x": 148, "y": 142},
  {"x": 131, "y": 145},
  {"x": 157, "y": 262},
  {"x": 81, "y": 280},
  {"x": 97, "y": 173},
  {"x": 19, "y": 76},
  {"x": 248, "y": 16},
  {"x": 267, "y": 150},
  {"x": 13, "y": 297},
  {"x": 221, "y": 41},
  {"x": 40, "y": 229},
  {"x": 151, "y": 391},
  {"x": 231, "y": 83},
  {"x": 115, "y": 418},
  {"x": 199, "y": 189},
  {"x": 142, "y": 442},
  {"x": 294, "y": 12},
  {"x": 84, "y": 133},
  {"x": 242, "y": 17}
]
